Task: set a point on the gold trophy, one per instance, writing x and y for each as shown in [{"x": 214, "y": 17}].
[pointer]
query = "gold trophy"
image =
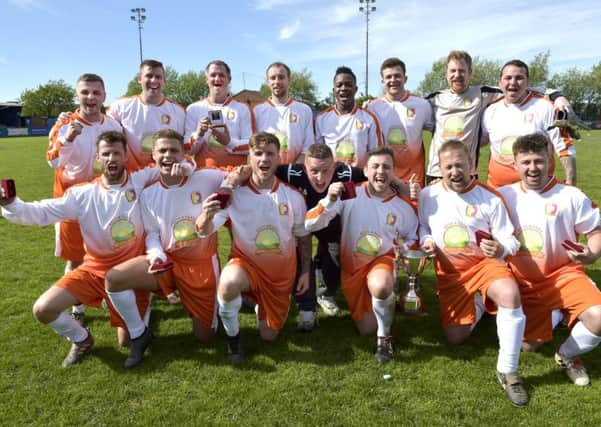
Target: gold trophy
[{"x": 413, "y": 262}]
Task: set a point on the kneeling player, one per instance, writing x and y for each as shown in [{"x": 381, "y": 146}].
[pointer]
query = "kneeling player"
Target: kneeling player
[
  {"x": 371, "y": 222},
  {"x": 169, "y": 208},
  {"x": 267, "y": 219},
  {"x": 549, "y": 266}
]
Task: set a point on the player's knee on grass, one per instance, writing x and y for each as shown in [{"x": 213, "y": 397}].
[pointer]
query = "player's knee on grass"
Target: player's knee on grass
[
  {"x": 591, "y": 317},
  {"x": 504, "y": 293},
  {"x": 367, "y": 325},
  {"x": 266, "y": 333},
  {"x": 457, "y": 334},
  {"x": 201, "y": 333},
  {"x": 531, "y": 346},
  {"x": 123, "y": 337}
]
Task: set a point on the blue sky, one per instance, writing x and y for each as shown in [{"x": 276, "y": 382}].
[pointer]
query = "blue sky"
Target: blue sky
[{"x": 45, "y": 40}]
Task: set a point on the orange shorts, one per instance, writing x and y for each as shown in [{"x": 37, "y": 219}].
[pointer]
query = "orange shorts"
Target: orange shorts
[
  {"x": 69, "y": 241},
  {"x": 354, "y": 286},
  {"x": 456, "y": 293},
  {"x": 568, "y": 289},
  {"x": 196, "y": 283},
  {"x": 272, "y": 297},
  {"x": 88, "y": 289}
]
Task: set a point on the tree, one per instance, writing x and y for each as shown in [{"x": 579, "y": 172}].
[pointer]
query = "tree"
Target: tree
[
  {"x": 302, "y": 87},
  {"x": 539, "y": 69},
  {"x": 183, "y": 89},
  {"x": 582, "y": 88},
  {"x": 48, "y": 100}
]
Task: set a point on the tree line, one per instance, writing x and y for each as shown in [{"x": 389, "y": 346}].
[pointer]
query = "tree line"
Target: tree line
[{"x": 581, "y": 87}]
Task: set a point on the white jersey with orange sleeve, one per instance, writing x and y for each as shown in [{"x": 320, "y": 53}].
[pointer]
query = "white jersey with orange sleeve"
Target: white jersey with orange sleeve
[
  {"x": 110, "y": 218},
  {"x": 402, "y": 123},
  {"x": 169, "y": 214},
  {"x": 503, "y": 123},
  {"x": 291, "y": 122},
  {"x": 370, "y": 225},
  {"x": 74, "y": 161},
  {"x": 543, "y": 220},
  {"x": 266, "y": 238},
  {"x": 240, "y": 125},
  {"x": 451, "y": 220},
  {"x": 140, "y": 121},
  {"x": 350, "y": 136}
]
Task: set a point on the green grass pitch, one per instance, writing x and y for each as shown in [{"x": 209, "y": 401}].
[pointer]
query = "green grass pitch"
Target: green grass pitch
[{"x": 327, "y": 377}]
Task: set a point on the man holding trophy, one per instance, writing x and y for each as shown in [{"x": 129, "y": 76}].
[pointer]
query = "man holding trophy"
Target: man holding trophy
[
  {"x": 466, "y": 226},
  {"x": 373, "y": 218}
]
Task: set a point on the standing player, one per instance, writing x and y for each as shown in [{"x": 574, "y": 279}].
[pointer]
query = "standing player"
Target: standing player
[
  {"x": 521, "y": 112},
  {"x": 267, "y": 219},
  {"x": 548, "y": 216},
  {"x": 218, "y": 127},
  {"x": 464, "y": 266},
  {"x": 458, "y": 111},
  {"x": 349, "y": 130},
  {"x": 142, "y": 115},
  {"x": 71, "y": 154},
  {"x": 290, "y": 120},
  {"x": 402, "y": 117},
  {"x": 371, "y": 222},
  {"x": 108, "y": 211},
  {"x": 169, "y": 208}
]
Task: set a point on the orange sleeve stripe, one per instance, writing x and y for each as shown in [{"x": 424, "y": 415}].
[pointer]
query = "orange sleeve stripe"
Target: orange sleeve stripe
[
  {"x": 315, "y": 212},
  {"x": 241, "y": 148},
  {"x": 378, "y": 129}
]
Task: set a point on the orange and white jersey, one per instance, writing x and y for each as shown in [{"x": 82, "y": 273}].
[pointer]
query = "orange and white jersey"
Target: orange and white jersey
[
  {"x": 402, "y": 124},
  {"x": 291, "y": 122},
  {"x": 451, "y": 220},
  {"x": 370, "y": 225},
  {"x": 503, "y": 123},
  {"x": 140, "y": 121},
  {"x": 109, "y": 216},
  {"x": 74, "y": 162},
  {"x": 349, "y": 136},
  {"x": 169, "y": 214},
  {"x": 543, "y": 220},
  {"x": 265, "y": 224},
  {"x": 239, "y": 121}
]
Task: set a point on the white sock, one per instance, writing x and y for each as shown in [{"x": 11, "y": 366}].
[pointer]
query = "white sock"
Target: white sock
[
  {"x": 511, "y": 323},
  {"x": 556, "y": 318},
  {"x": 580, "y": 341},
  {"x": 79, "y": 309},
  {"x": 480, "y": 309},
  {"x": 384, "y": 312},
  {"x": 66, "y": 326},
  {"x": 125, "y": 304},
  {"x": 228, "y": 311}
]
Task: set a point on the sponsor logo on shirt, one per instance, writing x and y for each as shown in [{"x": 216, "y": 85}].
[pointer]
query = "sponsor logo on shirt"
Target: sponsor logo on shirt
[
  {"x": 456, "y": 238},
  {"x": 231, "y": 115},
  {"x": 122, "y": 232},
  {"x": 506, "y": 155},
  {"x": 283, "y": 138},
  {"x": 531, "y": 241},
  {"x": 467, "y": 102},
  {"x": 529, "y": 118},
  {"x": 183, "y": 231},
  {"x": 345, "y": 151},
  {"x": 196, "y": 197},
  {"x": 410, "y": 113},
  {"x": 130, "y": 194},
  {"x": 396, "y": 136},
  {"x": 453, "y": 127},
  {"x": 293, "y": 118},
  {"x": 147, "y": 143},
  {"x": 267, "y": 241},
  {"x": 165, "y": 119},
  {"x": 369, "y": 244}
]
